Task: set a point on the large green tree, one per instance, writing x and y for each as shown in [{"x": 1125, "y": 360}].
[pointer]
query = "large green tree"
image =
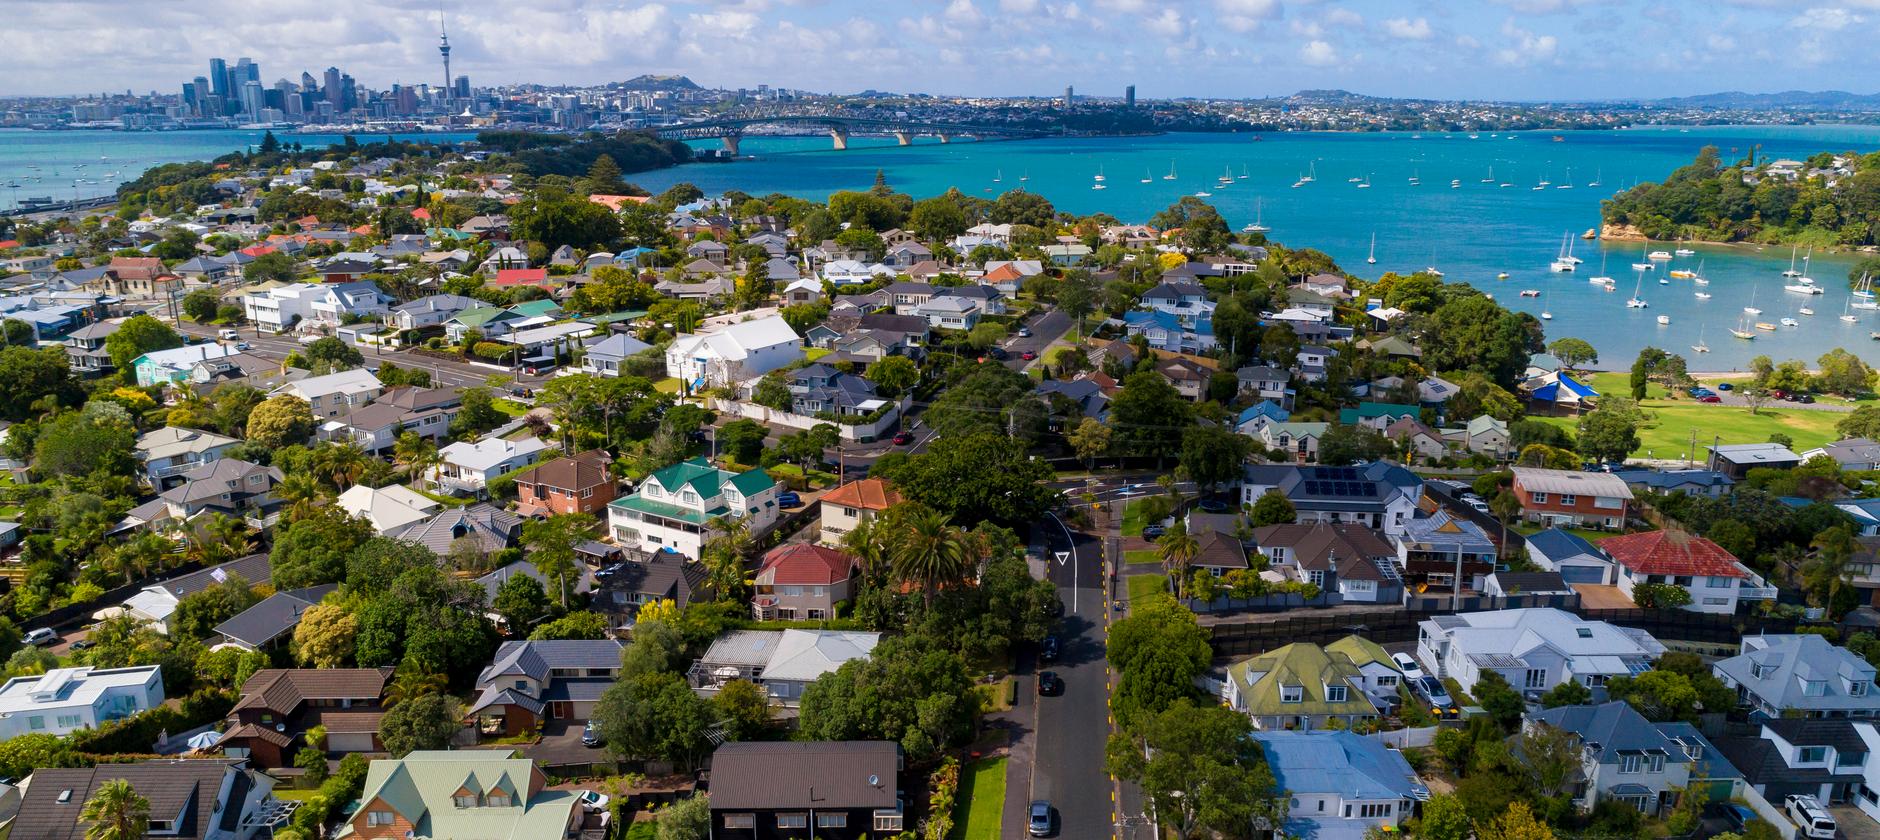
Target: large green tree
[
  {"x": 137, "y": 335},
  {"x": 654, "y": 716},
  {"x": 426, "y": 722},
  {"x": 1157, "y": 652},
  {"x": 908, "y": 690},
  {"x": 1149, "y": 417},
  {"x": 980, "y": 477},
  {"x": 1201, "y": 768}
]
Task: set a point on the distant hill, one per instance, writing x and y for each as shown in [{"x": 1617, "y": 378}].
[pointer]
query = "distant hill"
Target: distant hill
[
  {"x": 1835, "y": 100},
  {"x": 649, "y": 81}
]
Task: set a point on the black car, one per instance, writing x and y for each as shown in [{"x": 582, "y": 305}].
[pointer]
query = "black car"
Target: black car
[
  {"x": 1049, "y": 685},
  {"x": 1048, "y": 651},
  {"x": 1214, "y": 505},
  {"x": 1152, "y": 532},
  {"x": 997, "y": 354}
]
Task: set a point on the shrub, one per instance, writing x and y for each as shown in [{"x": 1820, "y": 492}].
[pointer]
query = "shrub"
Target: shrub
[{"x": 945, "y": 783}]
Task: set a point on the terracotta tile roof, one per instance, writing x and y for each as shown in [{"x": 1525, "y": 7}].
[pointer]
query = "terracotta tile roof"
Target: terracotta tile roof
[
  {"x": 520, "y": 276},
  {"x": 868, "y": 493},
  {"x": 1004, "y": 273},
  {"x": 579, "y": 472},
  {"x": 1671, "y": 553},
  {"x": 803, "y": 564},
  {"x": 282, "y": 690}
]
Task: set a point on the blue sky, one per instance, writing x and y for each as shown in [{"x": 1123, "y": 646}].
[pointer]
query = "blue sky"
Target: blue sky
[{"x": 1514, "y": 49}]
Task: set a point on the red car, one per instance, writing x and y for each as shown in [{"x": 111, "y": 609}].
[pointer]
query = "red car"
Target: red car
[
  {"x": 1713, "y": 398},
  {"x": 904, "y": 438},
  {"x": 1779, "y": 394},
  {"x": 1028, "y": 355}
]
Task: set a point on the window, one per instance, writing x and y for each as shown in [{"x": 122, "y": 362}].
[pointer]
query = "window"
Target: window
[
  {"x": 1715, "y": 582},
  {"x": 797, "y": 820},
  {"x": 1682, "y": 580},
  {"x": 464, "y": 800},
  {"x": 1316, "y": 576},
  {"x": 1655, "y": 763},
  {"x": 1287, "y": 694},
  {"x": 497, "y": 800},
  {"x": 1361, "y": 585},
  {"x": 1568, "y": 499},
  {"x": 1536, "y": 678},
  {"x": 1387, "y": 681},
  {"x": 1857, "y": 688},
  {"x": 522, "y": 685},
  {"x": 70, "y": 721},
  {"x": 1716, "y": 602},
  {"x": 1335, "y": 693},
  {"x": 740, "y": 821},
  {"x": 1758, "y": 670},
  {"x": 1370, "y": 810},
  {"x": 1630, "y": 763},
  {"x": 832, "y": 820},
  {"x": 587, "y": 493},
  {"x": 36, "y": 722},
  {"x": 378, "y": 818},
  {"x": 1538, "y": 498},
  {"x": 1811, "y": 755}
]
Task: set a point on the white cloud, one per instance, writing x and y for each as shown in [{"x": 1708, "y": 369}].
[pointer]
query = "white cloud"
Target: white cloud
[
  {"x": 1246, "y": 15},
  {"x": 964, "y": 13},
  {"x": 1318, "y": 54},
  {"x": 1524, "y": 48},
  {"x": 1344, "y": 18},
  {"x": 1409, "y": 30},
  {"x": 1018, "y": 7},
  {"x": 1168, "y": 24},
  {"x": 1825, "y": 19}
]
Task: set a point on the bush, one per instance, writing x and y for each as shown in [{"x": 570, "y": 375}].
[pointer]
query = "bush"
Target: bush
[
  {"x": 138, "y": 733},
  {"x": 313, "y": 761},
  {"x": 945, "y": 784},
  {"x": 490, "y": 349}
]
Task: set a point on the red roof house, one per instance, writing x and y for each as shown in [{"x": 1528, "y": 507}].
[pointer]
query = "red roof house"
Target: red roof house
[
  {"x": 1713, "y": 577},
  {"x": 801, "y": 580},
  {"x": 521, "y": 277}
]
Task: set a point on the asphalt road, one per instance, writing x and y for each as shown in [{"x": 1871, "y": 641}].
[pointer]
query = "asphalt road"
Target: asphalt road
[
  {"x": 1071, "y": 728},
  {"x": 1045, "y": 329},
  {"x": 443, "y": 373}
]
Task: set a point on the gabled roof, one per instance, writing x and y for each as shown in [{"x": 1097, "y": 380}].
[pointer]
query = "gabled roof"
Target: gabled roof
[
  {"x": 1612, "y": 729},
  {"x": 1786, "y": 663},
  {"x": 866, "y": 493},
  {"x": 805, "y": 564},
  {"x": 771, "y": 775},
  {"x": 49, "y": 808},
  {"x": 283, "y": 690},
  {"x": 576, "y": 472},
  {"x": 420, "y": 786},
  {"x": 536, "y": 659},
  {"x": 1349, "y": 765},
  {"x": 1672, "y": 553},
  {"x": 1556, "y": 545},
  {"x": 277, "y": 614},
  {"x": 256, "y": 569},
  {"x": 1304, "y": 666},
  {"x": 1571, "y": 482}
]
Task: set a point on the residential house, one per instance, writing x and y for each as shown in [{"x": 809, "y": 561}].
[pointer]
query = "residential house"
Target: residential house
[
  {"x": 167, "y": 453},
  {"x": 851, "y": 505},
  {"x": 675, "y": 506},
  {"x": 335, "y": 394},
  {"x": 1737, "y": 459},
  {"x": 1187, "y": 301},
  {"x": 164, "y": 367},
  {"x": 1377, "y": 416},
  {"x": 1378, "y": 675},
  {"x": 342, "y": 269},
  {"x": 951, "y": 312},
  {"x": 909, "y": 297},
  {"x": 154, "y": 604},
  {"x": 189, "y": 799},
  {"x": 427, "y": 412},
  {"x": 1826, "y": 758},
  {"x": 1188, "y": 378},
  {"x": 1340, "y": 784},
  {"x": 782, "y": 662},
  {"x": 84, "y": 349},
  {"x": 429, "y": 311},
  {"x": 1576, "y": 559},
  {"x": 64, "y": 700},
  {"x": 1800, "y": 675},
  {"x": 1164, "y": 331},
  {"x": 819, "y": 389},
  {"x": 1859, "y": 454},
  {"x": 272, "y": 621},
  {"x": 466, "y": 467},
  {"x": 1535, "y": 649},
  {"x": 1084, "y": 395},
  {"x": 800, "y": 292},
  {"x": 1623, "y": 757},
  {"x": 529, "y": 683},
  {"x": 1354, "y": 561},
  {"x": 585, "y": 581},
  {"x": 1262, "y": 382},
  {"x": 279, "y": 308},
  {"x": 1416, "y": 439},
  {"x": 1299, "y": 686},
  {"x": 1488, "y": 436},
  {"x": 346, "y": 302},
  {"x": 269, "y": 724},
  {"x": 1694, "y": 482},
  {"x": 1713, "y": 577},
  {"x": 603, "y": 357},
  {"x": 467, "y": 794},
  {"x": 1380, "y": 494},
  {"x": 848, "y": 790},
  {"x": 1066, "y": 255},
  {"x": 228, "y": 486},
  {"x": 488, "y": 321},
  {"x": 1434, "y": 548},
  {"x": 483, "y": 526},
  {"x": 1299, "y": 440},
  {"x": 803, "y": 580},
  {"x": 140, "y": 277},
  {"x": 736, "y": 353},
  {"x": 579, "y": 483},
  {"x": 1516, "y": 584},
  {"x": 1311, "y": 360},
  {"x": 1573, "y": 499},
  {"x": 391, "y": 510},
  {"x": 625, "y": 587}
]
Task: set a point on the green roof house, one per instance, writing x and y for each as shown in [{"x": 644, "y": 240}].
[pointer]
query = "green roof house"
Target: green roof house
[
  {"x": 463, "y": 794},
  {"x": 1377, "y": 416},
  {"x": 1301, "y": 686},
  {"x": 674, "y": 508}
]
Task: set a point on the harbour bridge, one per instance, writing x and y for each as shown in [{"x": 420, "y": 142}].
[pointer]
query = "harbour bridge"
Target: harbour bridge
[{"x": 730, "y": 130}]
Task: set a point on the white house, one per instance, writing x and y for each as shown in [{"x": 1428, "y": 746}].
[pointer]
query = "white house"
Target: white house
[
  {"x": 280, "y": 307},
  {"x": 335, "y": 393},
  {"x": 674, "y": 507},
  {"x": 64, "y": 700},
  {"x": 392, "y": 510},
  {"x": 465, "y": 467},
  {"x": 172, "y": 451},
  {"x": 1713, "y": 577},
  {"x": 738, "y": 352},
  {"x": 1341, "y": 784},
  {"x": 341, "y": 301},
  {"x": 1534, "y": 649}
]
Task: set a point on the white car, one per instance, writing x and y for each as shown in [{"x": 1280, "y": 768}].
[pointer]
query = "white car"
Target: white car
[
  {"x": 42, "y": 636},
  {"x": 227, "y": 335},
  {"x": 1408, "y": 665},
  {"x": 1813, "y": 820},
  {"x": 594, "y": 800}
]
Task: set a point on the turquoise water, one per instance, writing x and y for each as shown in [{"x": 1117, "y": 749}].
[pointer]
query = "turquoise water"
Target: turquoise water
[
  {"x": 1471, "y": 233},
  {"x": 80, "y": 163}
]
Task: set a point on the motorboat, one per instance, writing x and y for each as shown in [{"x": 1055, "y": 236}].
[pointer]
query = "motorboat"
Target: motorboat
[
  {"x": 1684, "y": 252},
  {"x": 1530, "y": 292},
  {"x": 1765, "y": 326},
  {"x": 1703, "y": 296},
  {"x": 1644, "y": 266},
  {"x": 1659, "y": 256},
  {"x": 1664, "y": 320},
  {"x": 1791, "y": 322}
]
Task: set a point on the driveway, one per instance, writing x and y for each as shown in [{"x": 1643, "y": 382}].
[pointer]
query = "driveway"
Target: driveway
[
  {"x": 561, "y": 746},
  {"x": 1855, "y": 824}
]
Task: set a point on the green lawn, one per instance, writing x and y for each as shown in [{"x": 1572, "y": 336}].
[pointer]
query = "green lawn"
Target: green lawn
[
  {"x": 509, "y": 407},
  {"x": 814, "y": 353},
  {"x": 1132, "y": 519},
  {"x": 1528, "y": 529},
  {"x": 295, "y": 793},
  {"x": 669, "y": 385},
  {"x": 1670, "y": 424},
  {"x": 1142, "y": 557},
  {"x": 1146, "y": 586},
  {"x": 981, "y": 801}
]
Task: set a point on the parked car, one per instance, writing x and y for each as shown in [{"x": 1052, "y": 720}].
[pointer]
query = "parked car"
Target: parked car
[
  {"x": 594, "y": 800},
  {"x": 227, "y": 335},
  {"x": 1153, "y": 532},
  {"x": 1431, "y": 689},
  {"x": 1738, "y": 816},
  {"x": 997, "y": 354},
  {"x": 84, "y": 644},
  {"x": 1048, "y": 651},
  {"x": 1028, "y": 355},
  {"x": 1479, "y": 506},
  {"x": 789, "y": 500},
  {"x": 243, "y": 345},
  {"x": 310, "y": 338},
  {"x": 1805, "y": 399},
  {"x": 1725, "y": 386},
  {"x": 1038, "y": 822},
  {"x": 1710, "y": 398},
  {"x": 1024, "y": 332},
  {"x": 42, "y": 636},
  {"x": 1779, "y": 394},
  {"x": 590, "y": 735},
  {"x": 1049, "y": 685},
  {"x": 1814, "y": 820},
  {"x": 903, "y": 438},
  {"x": 1701, "y": 391},
  {"x": 1408, "y": 665}
]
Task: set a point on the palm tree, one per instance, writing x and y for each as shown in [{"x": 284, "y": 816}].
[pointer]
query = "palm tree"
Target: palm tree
[
  {"x": 931, "y": 553},
  {"x": 1167, "y": 482},
  {"x": 140, "y": 556},
  {"x": 116, "y": 812},
  {"x": 412, "y": 682},
  {"x": 302, "y": 493},
  {"x": 1178, "y": 551},
  {"x": 1830, "y": 571},
  {"x": 725, "y": 546},
  {"x": 342, "y": 463},
  {"x": 415, "y": 453},
  {"x": 215, "y": 538},
  {"x": 866, "y": 545}
]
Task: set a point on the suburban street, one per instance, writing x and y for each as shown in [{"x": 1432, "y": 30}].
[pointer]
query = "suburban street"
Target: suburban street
[{"x": 443, "y": 373}]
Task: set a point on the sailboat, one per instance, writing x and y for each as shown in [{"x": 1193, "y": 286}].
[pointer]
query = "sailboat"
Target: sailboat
[
  {"x": 1602, "y": 278},
  {"x": 1597, "y": 174},
  {"x": 1099, "y": 176},
  {"x": 1431, "y": 268},
  {"x": 1700, "y": 346},
  {"x": 1637, "y": 302},
  {"x": 1099, "y": 185},
  {"x": 1372, "y": 258},
  {"x": 1491, "y": 175},
  {"x": 1545, "y": 315},
  {"x": 1846, "y": 315},
  {"x": 1804, "y": 284},
  {"x": 1171, "y": 172},
  {"x": 1742, "y": 331},
  {"x": 998, "y": 175},
  {"x": 1415, "y": 177},
  {"x": 1259, "y": 216},
  {"x": 1698, "y": 275},
  {"x": 1751, "y": 308},
  {"x": 1863, "y": 296},
  {"x": 1569, "y": 182},
  {"x": 1243, "y": 172},
  {"x": 1312, "y": 172},
  {"x": 1147, "y": 176},
  {"x": 1027, "y": 175},
  {"x": 1366, "y": 184},
  {"x": 1563, "y": 262},
  {"x": 1793, "y": 249}
]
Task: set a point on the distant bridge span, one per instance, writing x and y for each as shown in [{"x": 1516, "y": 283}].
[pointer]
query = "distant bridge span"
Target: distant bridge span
[{"x": 730, "y": 130}]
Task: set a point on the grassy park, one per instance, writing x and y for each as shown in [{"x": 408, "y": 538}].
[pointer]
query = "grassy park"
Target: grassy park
[{"x": 1670, "y": 424}]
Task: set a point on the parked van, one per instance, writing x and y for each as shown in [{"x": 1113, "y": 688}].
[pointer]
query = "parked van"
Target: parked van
[
  {"x": 1810, "y": 817},
  {"x": 42, "y": 636}
]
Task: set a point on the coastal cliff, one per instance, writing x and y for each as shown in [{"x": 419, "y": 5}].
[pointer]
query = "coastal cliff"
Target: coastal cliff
[{"x": 1621, "y": 233}]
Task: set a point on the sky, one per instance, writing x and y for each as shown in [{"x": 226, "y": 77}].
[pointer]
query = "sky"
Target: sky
[{"x": 1474, "y": 49}]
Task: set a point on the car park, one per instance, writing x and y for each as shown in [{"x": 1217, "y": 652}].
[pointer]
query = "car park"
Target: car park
[
  {"x": 1810, "y": 818},
  {"x": 42, "y": 636},
  {"x": 1049, "y": 684},
  {"x": 1408, "y": 665},
  {"x": 1038, "y": 821}
]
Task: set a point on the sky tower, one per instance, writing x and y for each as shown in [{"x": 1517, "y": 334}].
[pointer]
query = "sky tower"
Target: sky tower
[{"x": 443, "y": 49}]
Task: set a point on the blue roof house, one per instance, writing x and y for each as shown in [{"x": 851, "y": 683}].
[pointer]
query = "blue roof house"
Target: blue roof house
[{"x": 1341, "y": 784}]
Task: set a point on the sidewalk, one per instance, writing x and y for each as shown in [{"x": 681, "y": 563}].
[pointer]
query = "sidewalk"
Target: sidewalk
[{"x": 1020, "y": 724}]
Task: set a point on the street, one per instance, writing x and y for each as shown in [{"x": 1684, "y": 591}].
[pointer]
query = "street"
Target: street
[{"x": 443, "y": 373}]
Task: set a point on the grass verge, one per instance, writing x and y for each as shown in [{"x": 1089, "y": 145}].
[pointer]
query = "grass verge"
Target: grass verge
[
  {"x": 981, "y": 801},
  {"x": 1142, "y": 557},
  {"x": 1146, "y": 586}
]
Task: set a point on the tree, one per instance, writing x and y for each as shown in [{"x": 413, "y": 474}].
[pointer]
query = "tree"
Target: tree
[
  {"x": 273, "y": 265},
  {"x": 521, "y": 602},
  {"x": 324, "y": 637},
  {"x": 1829, "y": 574},
  {"x": 1608, "y": 433},
  {"x": 478, "y": 413},
  {"x": 654, "y": 716},
  {"x": 1863, "y": 422},
  {"x": 1493, "y": 693},
  {"x": 743, "y": 440},
  {"x": 1177, "y": 551},
  {"x": 420, "y": 723},
  {"x": 1444, "y": 818},
  {"x": 115, "y": 812},
  {"x": 33, "y": 375},
  {"x": 1573, "y": 352},
  {"x": 198, "y": 613},
  {"x": 1213, "y": 455},
  {"x": 909, "y": 689},
  {"x": 82, "y": 443},
  {"x": 980, "y": 477},
  {"x": 657, "y": 647},
  {"x": 1568, "y": 693},
  {"x": 1200, "y": 768},
  {"x": 1844, "y": 373},
  {"x": 1516, "y": 823},
  {"x": 1661, "y": 596},
  {"x": 604, "y": 177},
  {"x": 1344, "y": 444},
  {"x": 1550, "y": 756},
  {"x": 581, "y": 624},
  {"x": 551, "y": 543},
  {"x": 415, "y": 453},
  {"x": 686, "y": 819},
  {"x": 930, "y": 553},
  {"x": 412, "y": 682},
  {"x": 1157, "y": 651},
  {"x": 1273, "y": 508},
  {"x": 745, "y": 709},
  {"x": 894, "y": 375},
  {"x": 330, "y": 354},
  {"x": 1090, "y": 439},
  {"x": 314, "y": 550},
  {"x": 1149, "y": 417},
  {"x": 1658, "y": 695},
  {"x": 280, "y": 421},
  {"x": 200, "y": 305},
  {"x": 555, "y": 218},
  {"x": 313, "y": 762},
  {"x": 937, "y": 219},
  {"x": 139, "y": 334}
]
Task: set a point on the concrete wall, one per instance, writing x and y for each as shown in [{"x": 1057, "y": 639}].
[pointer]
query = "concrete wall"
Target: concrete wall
[{"x": 864, "y": 433}]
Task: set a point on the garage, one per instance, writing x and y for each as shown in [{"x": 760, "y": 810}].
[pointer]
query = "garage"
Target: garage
[
  {"x": 1583, "y": 574},
  {"x": 349, "y": 742}
]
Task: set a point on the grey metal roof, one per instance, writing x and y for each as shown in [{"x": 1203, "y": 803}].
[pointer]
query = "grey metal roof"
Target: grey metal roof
[
  {"x": 177, "y": 786},
  {"x": 254, "y": 568},
  {"x": 1610, "y": 729},
  {"x": 276, "y": 615},
  {"x": 535, "y": 659},
  {"x": 769, "y": 775}
]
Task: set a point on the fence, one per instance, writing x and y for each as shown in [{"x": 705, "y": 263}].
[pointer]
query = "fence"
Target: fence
[
  {"x": 1479, "y": 603},
  {"x": 1276, "y": 602},
  {"x": 1422, "y": 736},
  {"x": 860, "y": 432}
]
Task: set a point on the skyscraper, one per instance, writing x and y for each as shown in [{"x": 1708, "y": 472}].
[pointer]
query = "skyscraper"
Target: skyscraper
[
  {"x": 1070, "y": 96},
  {"x": 308, "y": 83},
  {"x": 332, "y": 88},
  {"x": 1129, "y": 96},
  {"x": 189, "y": 95},
  {"x": 218, "y": 77},
  {"x": 461, "y": 88},
  {"x": 253, "y": 100}
]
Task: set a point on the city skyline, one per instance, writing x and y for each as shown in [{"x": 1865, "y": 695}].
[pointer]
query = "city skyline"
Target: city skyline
[{"x": 1478, "y": 49}]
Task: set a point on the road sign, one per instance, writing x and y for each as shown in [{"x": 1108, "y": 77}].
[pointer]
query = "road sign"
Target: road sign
[{"x": 1062, "y": 556}]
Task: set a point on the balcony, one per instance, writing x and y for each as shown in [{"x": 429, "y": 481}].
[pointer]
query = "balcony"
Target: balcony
[{"x": 1753, "y": 587}]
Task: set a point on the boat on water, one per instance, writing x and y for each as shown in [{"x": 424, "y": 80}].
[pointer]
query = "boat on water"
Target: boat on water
[
  {"x": 1491, "y": 175},
  {"x": 1664, "y": 320},
  {"x": 1791, "y": 322},
  {"x": 1202, "y": 194},
  {"x": 1793, "y": 250},
  {"x": 1801, "y": 288},
  {"x": 1243, "y": 172},
  {"x": 1455, "y": 183},
  {"x": 1805, "y": 311},
  {"x": 1698, "y": 275},
  {"x": 1099, "y": 175},
  {"x": 1685, "y": 252},
  {"x": 1366, "y": 184},
  {"x": 1171, "y": 172},
  {"x": 1848, "y": 316},
  {"x": 1371, "y": 258},
  {"x": 1099, "y": 186},
  {"x": 1503, "y": 275},
  {"x": 1530, "y": 292},
  {"x": 1598, "y": 174},
  {"x": 1637, "y": 302},
  {"x": 1259, "y": 220},
  {"x": 1751, "y": 308},
  {"x": 1742, "y": 331},
  {"x": 1765, "y": 326},
  {"x": 1026, "y": 175},
  {"x": 1703, "y": 296},
  {"x": 1664, "y": 281},
  {"x": 1562, "y": 262},
  {"x": 1863, "y": 289},
  {"x": 1659, "y": 256},
  {"x": 1683, "y": 273},
  {"x": 1312, "y": 171},
  {"x": 997, "y": 175},
  {"x": 1644, "y": 266},
  {"x": 1147, "y": 177}
]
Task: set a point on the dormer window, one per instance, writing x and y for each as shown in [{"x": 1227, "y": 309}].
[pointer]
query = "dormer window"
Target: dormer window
[
  {"x": 497, "y": 800},
  {"x": 1292, "y": 694},
  {"x": 1857, "y": 688},
  {"x": 1336, "y": 693},
  {"x": 464, "y": 800},
  {"x": 1758, "y": 670},
  {"x": 1814, "y": 688}
]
